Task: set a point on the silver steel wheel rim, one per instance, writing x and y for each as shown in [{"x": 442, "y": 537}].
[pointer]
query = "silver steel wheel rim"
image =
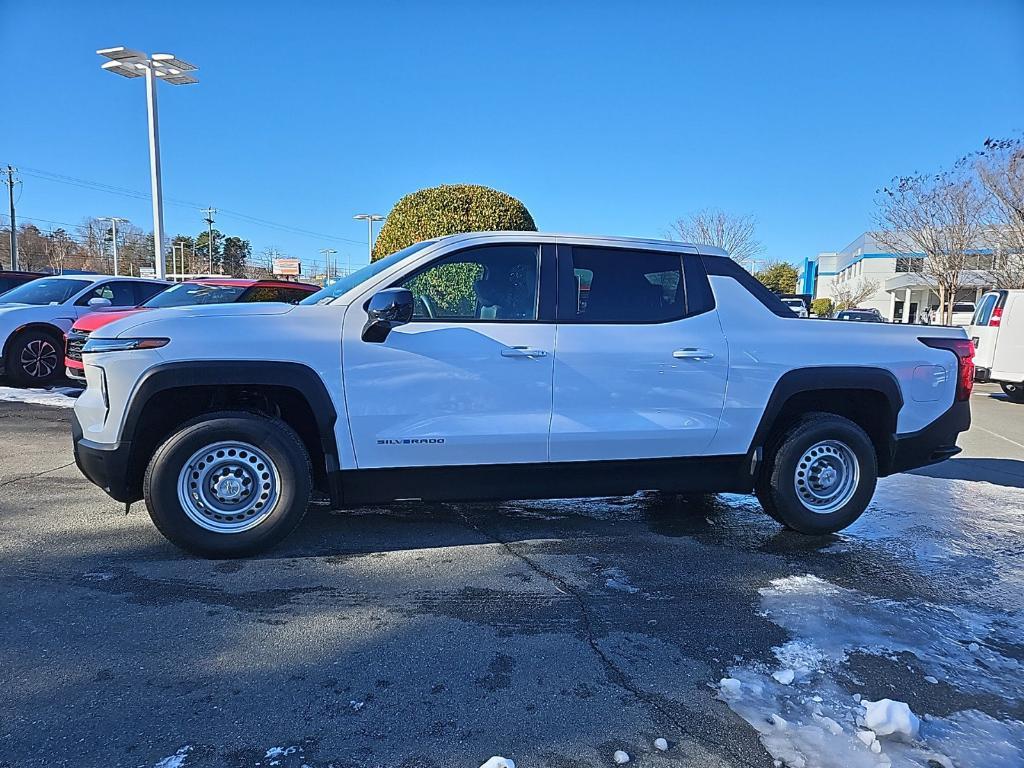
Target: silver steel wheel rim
[
  {"x": 39, "y": 359},
  {"x": 827, "y": 476},
  {"x": 228, "y": 487}
]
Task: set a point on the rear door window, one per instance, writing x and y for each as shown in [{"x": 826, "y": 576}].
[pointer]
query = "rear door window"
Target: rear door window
[
  {"x": 620, "y": 285},
  {"x": 146, "y": 291}
]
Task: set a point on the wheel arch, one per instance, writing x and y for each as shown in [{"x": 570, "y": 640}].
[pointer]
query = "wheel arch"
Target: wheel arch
[
  {"x": 169, "y": 394},
  {"x": 869, "y": 396},
  {"x": 35, "y": 325}
]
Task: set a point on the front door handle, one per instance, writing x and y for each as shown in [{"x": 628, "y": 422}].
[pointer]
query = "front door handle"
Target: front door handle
[
  {"x": 523, "y": 352},
  {"x": 692, "y": 353}
]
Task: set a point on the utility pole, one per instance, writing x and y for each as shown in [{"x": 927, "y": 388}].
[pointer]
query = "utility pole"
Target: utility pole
[
  {"x": 113, "y": 234},
  {"x": 327, "y": 252},
  {"x": 14, "y": 230},
  {"x": 209, "y": 237}
]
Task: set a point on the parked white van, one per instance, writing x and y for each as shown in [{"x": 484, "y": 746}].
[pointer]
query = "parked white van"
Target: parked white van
[{"x": 997, "y": 330}]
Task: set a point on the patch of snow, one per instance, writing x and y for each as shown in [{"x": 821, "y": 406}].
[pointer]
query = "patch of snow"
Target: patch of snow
[
  {"x": 616, "y": 579},
  {"x": 812, "y": 721},
  {"x": 661, "y": 745},
  {"x": 620, "y": 757},
  {"x": 280, "y": 752},
  {"x": 930, "y": 679},
  {"x": 499, "y": 762},
  {"x": 730, "y": 687},
  {"x": 177, "y": 760},
  {"x": 784, "y": 676},
  {"x": 59, "y": 397}
]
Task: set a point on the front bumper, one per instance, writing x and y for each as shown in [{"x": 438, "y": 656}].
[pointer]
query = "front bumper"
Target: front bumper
[
  {"x": 934, "y": 443},
  {"x": 104, "y": 465}
]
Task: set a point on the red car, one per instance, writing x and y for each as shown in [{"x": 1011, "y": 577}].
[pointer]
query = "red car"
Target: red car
[{"x": 185, "y": 294}]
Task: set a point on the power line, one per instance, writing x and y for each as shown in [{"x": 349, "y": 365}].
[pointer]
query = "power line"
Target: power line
[{"x": 61, "y": 178}]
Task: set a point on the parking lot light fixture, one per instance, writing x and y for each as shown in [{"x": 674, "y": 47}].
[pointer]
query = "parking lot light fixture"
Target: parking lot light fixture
[
  {"x": 370, "y": 218},
  {"x": 127, "y": 62}
]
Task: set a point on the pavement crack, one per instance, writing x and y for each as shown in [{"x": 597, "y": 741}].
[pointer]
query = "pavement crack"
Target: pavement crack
[
  {"x": 615, "y": 673},
  {"x": 35, "y": 474}
]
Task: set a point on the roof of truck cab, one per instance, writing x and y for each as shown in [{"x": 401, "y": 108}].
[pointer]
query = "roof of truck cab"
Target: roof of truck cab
[{"x": 577, "y": 239}]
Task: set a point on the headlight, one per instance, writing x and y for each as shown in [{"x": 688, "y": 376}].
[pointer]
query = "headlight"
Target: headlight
[{"x": 121, "y": 345}]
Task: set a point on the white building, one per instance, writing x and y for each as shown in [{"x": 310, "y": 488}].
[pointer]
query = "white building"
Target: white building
[{"x": 901, "y": 292}]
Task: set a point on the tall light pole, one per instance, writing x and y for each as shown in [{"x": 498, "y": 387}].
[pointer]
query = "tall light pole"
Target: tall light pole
[
  {"x": 370, "y": 218},
  {"x": 327, "y": 252},
  {"x": 113, "y": 234},
  {"x": 130, "y": 63}
]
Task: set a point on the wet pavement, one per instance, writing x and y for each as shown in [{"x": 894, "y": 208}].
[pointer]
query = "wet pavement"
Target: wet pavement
[{"x": 549, "y": 632}]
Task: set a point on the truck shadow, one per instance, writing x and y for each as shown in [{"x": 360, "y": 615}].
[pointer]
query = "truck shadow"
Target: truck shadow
[{"x": 1005, "y": 472}]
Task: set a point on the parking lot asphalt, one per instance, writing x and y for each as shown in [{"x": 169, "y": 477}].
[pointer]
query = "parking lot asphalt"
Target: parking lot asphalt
[{"x": 553, "y": 632}]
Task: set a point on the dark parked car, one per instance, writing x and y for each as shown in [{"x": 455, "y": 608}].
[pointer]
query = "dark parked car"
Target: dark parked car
[
  {"x": 11, "y": 279},
  {"x": 861, "y": 315}
]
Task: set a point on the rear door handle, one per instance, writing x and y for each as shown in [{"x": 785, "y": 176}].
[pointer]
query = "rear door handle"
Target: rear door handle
[
  {"x": 692, "y": 353},
  {"x": 522, "y": 352}
]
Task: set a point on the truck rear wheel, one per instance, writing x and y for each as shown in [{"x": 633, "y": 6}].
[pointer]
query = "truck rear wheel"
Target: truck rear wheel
[
  {"x": 228, "y": 484},
  {"x": 1014, "y": 392},
  {"x": 820, "y": 474}
]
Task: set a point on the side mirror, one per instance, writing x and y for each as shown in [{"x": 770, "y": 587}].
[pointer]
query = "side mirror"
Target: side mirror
[
  {"x": 387, "y": 309},
  {"x": 98, "y": 303}
]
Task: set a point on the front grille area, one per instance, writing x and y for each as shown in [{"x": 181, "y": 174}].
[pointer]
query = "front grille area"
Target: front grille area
[{"x": 76, "y": 340}]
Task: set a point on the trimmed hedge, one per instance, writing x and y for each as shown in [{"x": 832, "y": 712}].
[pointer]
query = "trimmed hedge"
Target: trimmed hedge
[{"x": 448, "y": 210}]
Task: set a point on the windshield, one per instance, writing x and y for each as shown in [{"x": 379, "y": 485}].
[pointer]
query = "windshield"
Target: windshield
[
  {"x": 190, "y": 294},
  {"x": 45, "y": 290},
  {"x": 349, "y": 282}
]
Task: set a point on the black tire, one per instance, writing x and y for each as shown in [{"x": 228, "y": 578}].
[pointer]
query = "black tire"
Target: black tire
[
  {"x": 35, "y": 358},
  {"x": 786, "y": 456},
  {"x": 269, "y": 436},
  {"x": 1014, "y": 392}
]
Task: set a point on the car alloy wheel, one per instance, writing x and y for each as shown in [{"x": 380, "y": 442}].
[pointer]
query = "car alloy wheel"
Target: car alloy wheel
[
  {"x": 38, "y": 359},
  {"x": 228, "y": 487}
]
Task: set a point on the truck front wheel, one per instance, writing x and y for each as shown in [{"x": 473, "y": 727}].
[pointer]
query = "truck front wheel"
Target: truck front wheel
[
  {"x": 820, "y": 474},
  {"x": 228, "y": 484}
]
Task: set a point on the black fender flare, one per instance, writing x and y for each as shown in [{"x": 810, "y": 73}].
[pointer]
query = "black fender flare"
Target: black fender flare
[
  {"x": 193, "y": 373},
  {"x": 822, "y": 379}
]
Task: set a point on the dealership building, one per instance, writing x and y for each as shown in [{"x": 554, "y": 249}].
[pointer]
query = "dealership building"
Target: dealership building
[{"x": 901, "y": 290}]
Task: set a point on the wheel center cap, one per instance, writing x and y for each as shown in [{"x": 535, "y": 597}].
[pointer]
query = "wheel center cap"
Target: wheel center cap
[
  {"x": 228, "y": 488},
  {"x": 826, "y": 477}
]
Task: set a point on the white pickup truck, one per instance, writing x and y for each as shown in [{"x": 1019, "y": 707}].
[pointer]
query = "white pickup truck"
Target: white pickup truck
[{"x": 510, "y": 365}]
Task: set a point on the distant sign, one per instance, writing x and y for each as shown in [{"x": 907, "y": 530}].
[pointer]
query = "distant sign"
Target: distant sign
[
  {"x": 147, "y": 271},
  {"x": 287, "y": 267}
]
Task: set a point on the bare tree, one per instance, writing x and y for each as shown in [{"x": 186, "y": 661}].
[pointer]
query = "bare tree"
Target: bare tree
[
  {"x": 1000, "y": 167},
  {"x": 59, "y": 246},
  {"x": 941, "y": 215},
  {"x": 847, "y": 295},
  {"x": 712, "y": 226}
]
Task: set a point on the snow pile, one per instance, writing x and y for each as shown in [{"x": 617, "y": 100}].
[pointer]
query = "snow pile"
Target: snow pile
[
  {"x": 499, "y": 762},
  {"x": 60, "y": 397},
  {"x": 806, "y": 719},
  {"x": 661, "y": 745},
  {"x": 620, "y": 757},
  {"x": 887, "y": 717}
]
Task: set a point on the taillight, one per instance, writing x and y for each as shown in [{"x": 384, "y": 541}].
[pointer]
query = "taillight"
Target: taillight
[
  {"x": 964, "y": 351},
  {"x": 997, "y": 317}
]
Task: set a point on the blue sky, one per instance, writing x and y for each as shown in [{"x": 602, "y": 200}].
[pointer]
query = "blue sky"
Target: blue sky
[{"x": 612, "y": 118}]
